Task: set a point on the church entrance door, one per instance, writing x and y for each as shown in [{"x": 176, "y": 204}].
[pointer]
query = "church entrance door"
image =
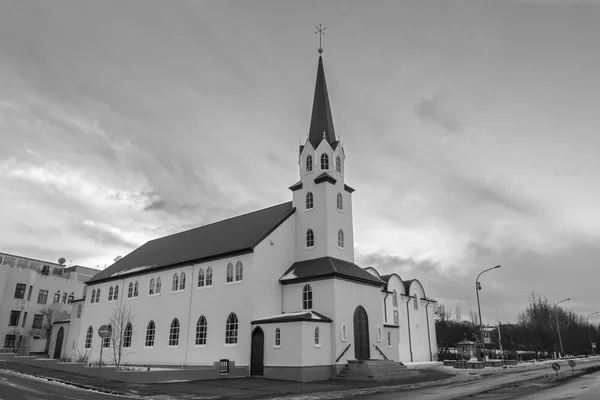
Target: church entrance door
[
  {"x": 258, "y": 352},
  {"x": 361, "y": 334},
  {"x": 59, "y": 343}
]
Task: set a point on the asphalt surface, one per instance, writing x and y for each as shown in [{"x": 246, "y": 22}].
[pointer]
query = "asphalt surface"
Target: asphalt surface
[
  {"x": 20, "y": 387},
  {"x": 585, "y": 387}
]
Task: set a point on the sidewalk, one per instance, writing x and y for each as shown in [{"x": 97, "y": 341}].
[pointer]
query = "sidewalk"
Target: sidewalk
[{"x": 239, "y": 389}]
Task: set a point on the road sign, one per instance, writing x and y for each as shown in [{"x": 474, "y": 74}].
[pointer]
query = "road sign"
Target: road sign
[
  {"x": 486, "y": 338},
  {"x": 572, "y": 364},
  {"x": 593, "y": 345},
  {"x": 104, "y": 331},
  {"x": 555, "y": 366}
]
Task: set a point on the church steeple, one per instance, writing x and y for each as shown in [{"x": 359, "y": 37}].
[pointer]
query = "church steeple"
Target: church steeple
[{"x": 321, "y": 122}]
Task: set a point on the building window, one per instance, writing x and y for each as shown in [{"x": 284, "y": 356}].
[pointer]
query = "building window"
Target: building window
[
  {"x": 93, "y": 299},
  {"x": 110, "y": 293},
  {"x": 344, "y": 337},
  {"x": 229, "y": 277},
  {"x": 209, "y": 276},
  {"x": 97, "y": 295},
  {"x": 129, "y": 291},
  {"x": 128, "y": 335},
  {"x": 201, "y": 328},
  {"x": 310, "y": 201},
  {"x": 46, "y": 270},
  {"x": 89, "y": 337},
  {"x": 20, "y": 291},
  {"x": 231, "y": 329},
  {"x": 201, "y": 277},
  {"x": 29, "y": 293},
  {"x": 158, "y": 285},
  {"x": 65, "y": 297},
  {"x": 277, "y": 337},
  {"x": 395, "y": 299},
  {"x": 239, "y": 271},
  {"x": 116, "y": 295},
  {"x": 150, "y": 330},
  {"x": 79, "y": 310},
  {"x": 182, "y": 281},
  {"x": 324, "y": 162},
  {"x": 389, "y": 339},
  {"x": 416, "y": 303},
  {"x": 396, "y": 319},
  {"x": 9, "y": 341},
  {"x": 306, "y": 297},
  {"x": 174, "y": 333},
  {"x": 379, "y": 335},
  {"x": 340, "y": 202},
  {"x": 152, "y": 286},
  {"x": 341, "y": 239},
  {"x": 136, "y": 289},
  {"x": 309, "y": 163},
  {"x": 338, "y": 165},
  {"x": 57, "y": 297},
  {"x": 317, "y": 340},
  {"x": 42, "y": 296},
  {"x": 24, "y": 319},
  {"x": 38, "y": 321},
  {"x": 310, "y": 238},
  {"x": 72, "y": 297},
  {"x": 106, "y": 340}
]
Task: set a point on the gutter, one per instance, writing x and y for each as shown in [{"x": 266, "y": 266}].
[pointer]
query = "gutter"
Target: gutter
[
  {"x": 428, "y": 333},
  {"x": 387, "y": 293},
  {"x": 187, "y": 343},
  {"x": 408, "y": 318}
]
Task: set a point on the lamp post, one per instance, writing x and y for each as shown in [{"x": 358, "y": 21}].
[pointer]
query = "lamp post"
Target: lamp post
[
  {"x": 590, "y": 331},
  {"x": 477, "y": 289},
  {"x": 557, "y": 327}
]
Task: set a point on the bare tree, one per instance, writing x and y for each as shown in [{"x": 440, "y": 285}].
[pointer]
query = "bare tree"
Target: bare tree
[
  {"x": 121, "y": 333},
  {"x": 458, "y": 314},
  {"x": 47, "y": 324}
]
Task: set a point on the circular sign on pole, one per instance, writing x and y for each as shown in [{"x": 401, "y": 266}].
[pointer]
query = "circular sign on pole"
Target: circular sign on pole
[
  {"x": 104, "y": 331},
  {"x": 572, "y": 364},
  {"x": 555, "y": 366}
]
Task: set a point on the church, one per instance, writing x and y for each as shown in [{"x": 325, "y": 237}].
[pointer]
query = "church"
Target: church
[{"x": 274, "y": 293}]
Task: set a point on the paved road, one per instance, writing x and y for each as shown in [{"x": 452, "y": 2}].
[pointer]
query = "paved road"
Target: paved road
[
  {"x": 585, "y": 387},
  {"x": 19, "y": 387}
]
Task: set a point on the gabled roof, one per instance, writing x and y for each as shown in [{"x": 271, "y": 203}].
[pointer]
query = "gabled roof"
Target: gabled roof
[
  {"x": 237, "y": 235},
  {"x": 328, "y": 267},
  {"x": 293, "y": 317},
  {"x": 325, "y": 177},
  {"x": 321, "y": 121}
]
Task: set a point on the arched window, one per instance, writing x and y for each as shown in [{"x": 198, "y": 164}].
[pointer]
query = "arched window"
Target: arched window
[
  {"x": 93, "y": 299},
  {"x": 340, "y": 202},
  {"x": 239, "y": 271},
  {"x": 97, "y": 295},
  {"x": 395, "y": 299},
  {"x": 324, "y": 162},
  {"x": 158, "y": 285},
  {"x": 317, "y": 336},
  {"x": 150, "y": 331},
  {"x": 201, "y": 328},
  {"x": 128, "y": 335},
  {"x": 106, "y": 340},
  {"x": 341, "y": 239},
  {"x": 416, "y": 302},
  {"x": 396, "y": 318},
  {"x": 182, "y": 281},
  {"x": 310, "y": 238},
  {"x": 344, "y": 337},
  {"x": 89, "y": 336},
  {"x": 175, "y": 285},
  {"x": 209, "y": 276},
  {"x": 389, "y": 339},
  {"x": 307, "y": 297},
  {"x": 130, "y": 291},
  {"x": 152, "y": 286},
  {"x": 57, "y": 297},
  {"x": 231, "y": 329},
  {"x": 79, "y": 309},
  {"x": 277, "y": 337},
  {"x": 309, "y": 163},
  {"x": 174, "y": 333},
  {"x": 116, "y": 294},
  {"x": 136, "y": 289},
  {"x": 229, "y": 272},
  {"x": 309, "y": 201},
  {"x": 379, "y": 335},
  {"x": 338, "y": 165},
  {"x": 110, "y": 293},
  {"x": 201, "y": 277}
]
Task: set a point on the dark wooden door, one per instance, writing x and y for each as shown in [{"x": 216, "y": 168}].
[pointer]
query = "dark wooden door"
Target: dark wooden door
[
  {"x": 258, "y": 352},
  {"x": 59, "y": 343},
  {"x": 361, "y": 334}
]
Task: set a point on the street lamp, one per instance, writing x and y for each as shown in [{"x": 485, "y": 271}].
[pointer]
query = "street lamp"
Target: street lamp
[
  {"x": 477, "y": 289},
  {"x": 590, "y": 331},
  {"x": 557, "y": 327}
]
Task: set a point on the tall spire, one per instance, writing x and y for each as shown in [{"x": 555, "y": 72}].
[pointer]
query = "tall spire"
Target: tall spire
[{"x": 321, "y": 122}]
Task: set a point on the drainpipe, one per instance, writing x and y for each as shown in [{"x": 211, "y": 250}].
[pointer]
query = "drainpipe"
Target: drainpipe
[
  {"x": 187, "y": 343},
  {"x": 428, "y": 334},
  {"x": 387, "y": 293},
  {"x": 408, "y": 318}
]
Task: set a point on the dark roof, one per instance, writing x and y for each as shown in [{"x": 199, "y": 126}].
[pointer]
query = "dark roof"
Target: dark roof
[
  {"x": 348, "y": 189},
  {"x": 321, "y": 120},
  {"x": 386, "y": 278},
  {"x": 296, "y": 186},
  {"x": 325, "y": 177},
  {"x": 407, "y": 285},
  {"x": 294, "y": 317},
  {"x": 237, "y": 235},
  {"x": 328, "y": 267}
]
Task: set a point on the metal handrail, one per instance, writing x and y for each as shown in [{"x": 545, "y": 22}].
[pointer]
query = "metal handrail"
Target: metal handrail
[
  {"x": 380, "y": 352},
  {"x": 343, "y": 352}
]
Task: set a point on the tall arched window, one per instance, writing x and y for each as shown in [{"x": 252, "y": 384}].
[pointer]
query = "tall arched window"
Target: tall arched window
[
  {"x": 309, "y": 163},
  {"x": 89, "y": 336},
  {"x": 201, "y": 328},
  {"x": 97, "y": 295},
  {"x": 110, "y": 293},
  {"x": 324, "y": 162},
  {"x": 174, "y": 333},
  {"x": 93, "y": 299},
  {"x": 130, "y": 291},
  {"x": 379, "y": 334},
  {"x": 128, "y": 335},
  {"x": 231, "y": 329},
  {"x": 239, "y": 271},
  {"x": 229, "y": 273},
  {"x": 209, "y": 276},
  {"x": 307, "y": 297},
  {"x": 340, "y": 202},
  {"x": 201, "y": 277},
  {"x": 395, "y": 299},
  {"x": 150, "y": 331},
  {"x": 116, "y": 294},
  {"x": 343, "y": 333},
  {"x": 389, "y": 339},
  {"x": 317, "y": 339},
  {"x": 175, "y": 284},
  {"x": 309, "y": 201},
  {"x": 136, "y": 289},
  {"x": 338, "y": 165},
  {"x": 277, "y": 337},
  {"x": 79, "y": 310},
  {"x": 415, "y": 301},
  {"x": 341, "y": 239},
  {"x": 182, "y": 281},
  {"x": 310, "y": 238},
  {"x": 158, "y": 285},
  {"x": 152, "y": 286}
]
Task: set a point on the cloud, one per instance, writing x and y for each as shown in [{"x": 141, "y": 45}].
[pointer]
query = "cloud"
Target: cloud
[{"x": 435, "y": 109}]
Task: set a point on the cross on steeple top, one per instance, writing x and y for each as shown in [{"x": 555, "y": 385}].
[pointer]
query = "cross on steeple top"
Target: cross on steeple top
[{"x": 321, "y": 32}]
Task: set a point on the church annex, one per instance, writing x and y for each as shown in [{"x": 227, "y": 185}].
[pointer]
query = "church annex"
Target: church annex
[{"x": 273, "y": 293}]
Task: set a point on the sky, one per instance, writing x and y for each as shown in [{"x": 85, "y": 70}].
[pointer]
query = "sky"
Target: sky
[{"x": 470, "y": 130}]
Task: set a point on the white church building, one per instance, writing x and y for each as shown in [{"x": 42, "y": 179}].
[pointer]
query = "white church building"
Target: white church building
[{"x": 273, "y": 293}]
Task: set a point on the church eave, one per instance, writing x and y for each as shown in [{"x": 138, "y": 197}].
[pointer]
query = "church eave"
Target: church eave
[
  {"x": 332, "y": 275},
  {"x": 296, "y": 186},
  {"x": 348, "y": 189},
  {"x": 305, "y": 317},
  {"x": 325, "y": 177}
]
